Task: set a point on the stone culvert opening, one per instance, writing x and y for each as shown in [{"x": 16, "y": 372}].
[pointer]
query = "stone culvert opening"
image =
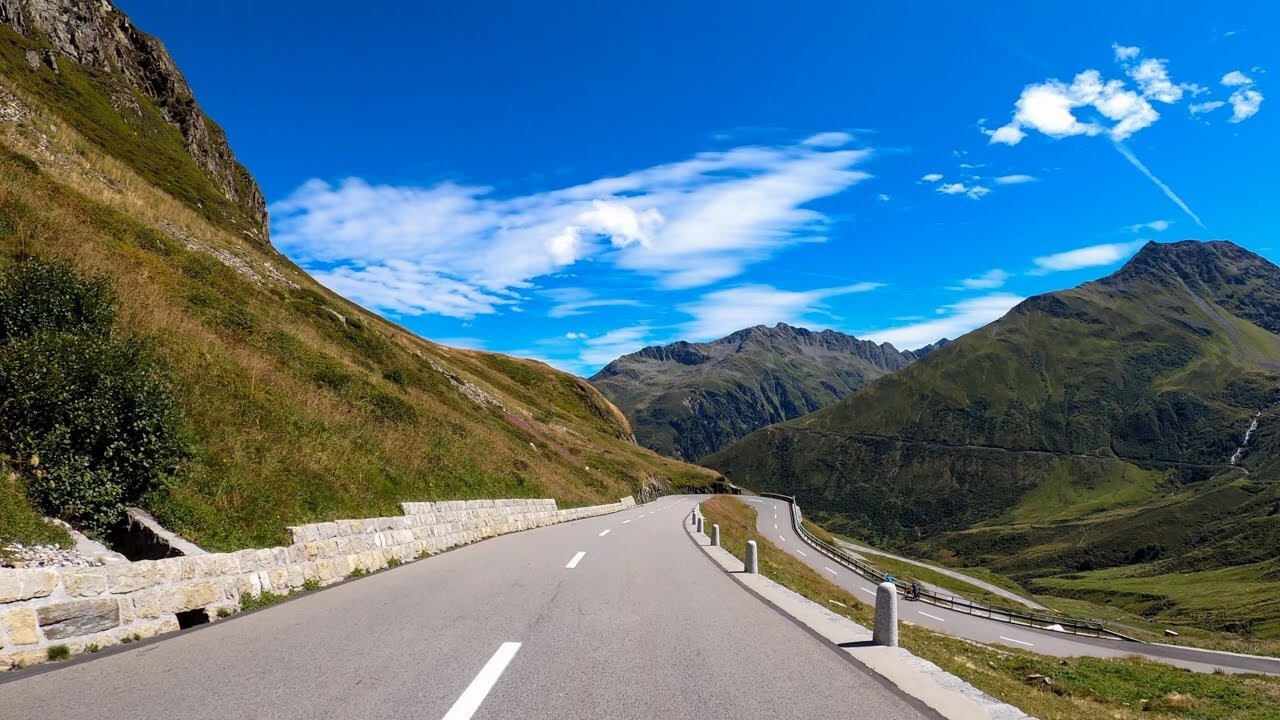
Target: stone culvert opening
[{"x": 191, "y": 618}]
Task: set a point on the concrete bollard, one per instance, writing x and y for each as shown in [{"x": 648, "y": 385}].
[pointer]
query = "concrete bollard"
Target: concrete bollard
[
  {"x": 699, "y": 524},
  {"x": 715, "y": 535},
  {"x": 886, "y": 630},
  {"x": 751, "y": 564}
]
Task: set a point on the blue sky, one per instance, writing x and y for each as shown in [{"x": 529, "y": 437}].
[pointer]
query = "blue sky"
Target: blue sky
[{"x": 571, "y": 181}]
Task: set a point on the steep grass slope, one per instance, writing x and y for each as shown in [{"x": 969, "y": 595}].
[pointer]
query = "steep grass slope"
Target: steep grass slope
[{"x": 298, "y": 404}]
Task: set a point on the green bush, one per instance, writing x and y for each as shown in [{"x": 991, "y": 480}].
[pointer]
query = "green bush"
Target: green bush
[{"x": 90, "y": 417}]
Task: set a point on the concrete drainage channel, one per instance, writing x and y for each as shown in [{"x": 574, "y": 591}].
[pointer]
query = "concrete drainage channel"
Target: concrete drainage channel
[{"x": 928, "y": 686}]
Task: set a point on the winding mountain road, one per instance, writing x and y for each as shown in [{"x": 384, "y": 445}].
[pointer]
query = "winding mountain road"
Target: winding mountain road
[
  {"x": 619, "y": 616},
  {"x": 773, "y": 520}
]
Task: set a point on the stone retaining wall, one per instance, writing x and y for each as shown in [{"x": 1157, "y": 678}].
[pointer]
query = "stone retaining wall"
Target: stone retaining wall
[{"x": 110, "y": 604}]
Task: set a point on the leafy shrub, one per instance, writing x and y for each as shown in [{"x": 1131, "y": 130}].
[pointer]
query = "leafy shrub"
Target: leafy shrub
[
  {"x": 59, "y": 652},
  {"x": 89, "y": 416}
]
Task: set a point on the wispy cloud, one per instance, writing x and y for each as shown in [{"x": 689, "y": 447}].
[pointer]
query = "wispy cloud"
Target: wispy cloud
[
  {"x": 603, "y": 349},
  {"x": 463, "y": 251},
  {"x": 1156, "y": 225},
  {"x": 719, "y": 313},
  {"x": 973, "y": 192},
  {"x": 932, "y": 177},
  {"x": 1091, "y": 256},
  {"x": 952, "y": 321},
  {"x": 1168, "y": 191},
  {"x": 571, "y": 302},
  {"x": 1018, "y": 179},
  {"x": 988, "y": 280}
]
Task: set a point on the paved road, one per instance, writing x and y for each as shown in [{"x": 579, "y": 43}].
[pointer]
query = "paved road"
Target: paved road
[
  {"x": 857, "y": 549},
  {"x": 643, "y": 625},
  {"x": 774, "y": 522}
]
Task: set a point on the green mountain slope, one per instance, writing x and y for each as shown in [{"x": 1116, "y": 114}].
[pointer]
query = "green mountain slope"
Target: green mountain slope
[
  {"x": 297, "y": 404},
  {"x": 688, "y": 400},
  {"x": 1086, "y": 429}
]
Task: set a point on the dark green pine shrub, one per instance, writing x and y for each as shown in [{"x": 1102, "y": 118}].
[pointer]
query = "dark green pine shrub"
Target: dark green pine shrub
[{"x": 88, "y": 417}]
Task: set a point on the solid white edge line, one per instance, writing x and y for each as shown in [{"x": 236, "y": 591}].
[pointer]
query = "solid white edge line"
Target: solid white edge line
[
  {"x": 1016, "y": 641},
  {"x": 576, "y": 559},
  {"x": 605, "y": 532},
  {"x": 479, "y": 688},
  {"x": 935, "y": 617}
]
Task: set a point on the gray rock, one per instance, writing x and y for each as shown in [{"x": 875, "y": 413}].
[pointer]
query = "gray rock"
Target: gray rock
[
  {"x": 33, "y": 59},
  {"x": 78, "y": 617}
]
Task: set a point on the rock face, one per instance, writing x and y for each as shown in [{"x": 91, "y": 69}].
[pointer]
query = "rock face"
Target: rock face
[
  {"x": 95, "y": 34},
  {"x": 688, "y": 400}
]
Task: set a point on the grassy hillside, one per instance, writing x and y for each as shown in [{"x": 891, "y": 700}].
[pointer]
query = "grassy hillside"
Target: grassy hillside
[
  {"x": 688, "y": 400},
  {"x": 298, "y": 405},
  {"x": 1087, "y": 429}
]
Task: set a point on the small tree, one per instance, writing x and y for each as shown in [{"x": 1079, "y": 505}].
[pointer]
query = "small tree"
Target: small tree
[{"x": 88, "y": 417}]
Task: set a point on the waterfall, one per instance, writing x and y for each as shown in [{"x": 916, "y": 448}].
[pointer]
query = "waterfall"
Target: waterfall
[{"x": 1235, "y": 457}]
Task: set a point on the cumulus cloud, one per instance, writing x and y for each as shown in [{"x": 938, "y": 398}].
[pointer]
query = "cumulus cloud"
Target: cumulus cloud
[
  {"x": 1245, "y": 103},
  {"x": 463, "y": 251},
  {"x": 1235, "y": 78},
  {"x": 932, "y": 177},
  {"x": 951, "y": 321},
  {"x": 719, "y": 313},
  {"x": 1124, "y": 52},
  {"x": 1015, "y": 179},
  {"x": 973, "y": 192},
  {"x": 1091, "y": 256}
]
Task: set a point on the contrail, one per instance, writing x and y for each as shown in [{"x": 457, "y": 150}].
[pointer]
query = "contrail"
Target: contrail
[{"x": 1128, "y": 155}]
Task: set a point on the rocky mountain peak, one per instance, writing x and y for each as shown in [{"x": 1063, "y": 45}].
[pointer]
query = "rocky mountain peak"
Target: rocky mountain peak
[{"x": 96, "y": 34}]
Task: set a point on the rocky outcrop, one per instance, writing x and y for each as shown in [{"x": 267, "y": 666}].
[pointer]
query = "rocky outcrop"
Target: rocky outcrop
[
  {"x": 95, "y": 34},
  {"x": 689, "y": 400}
]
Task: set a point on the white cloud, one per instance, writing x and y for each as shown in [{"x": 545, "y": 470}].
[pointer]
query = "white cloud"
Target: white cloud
[
  {"x": 1205, "y": 107},
  {"x": 464, "y": 251},
  {"x": 571, "y": 302},
  {"x": 722, "y": 312},
  {"x": 988, "y": 280},
  {"x": 932, "y": 177},
  {"x": 1091, "y": 256},
  {"x": 975, "y": 192},
  {"x": 829, "y": 140},
  {"x": 576, "y": 336},
  {"x": 1049, "y": 107},
  {"x": 604, "y": 349},
  {"x": 1015, "y": 179},
  {"x": 1157, "y": 225},
  {"x": 1235, "y": 78},
  {"x": 1124, "y": 53},
  {"x": 1152, "y": 77},
  {"x": 951, "y": 322},
  {"x": 883, "y": 197},
  {"x": 1244, "y": 104}
]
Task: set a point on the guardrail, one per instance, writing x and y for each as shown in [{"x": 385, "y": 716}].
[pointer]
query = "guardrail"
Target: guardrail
[{"x": 1059, "y": 623}]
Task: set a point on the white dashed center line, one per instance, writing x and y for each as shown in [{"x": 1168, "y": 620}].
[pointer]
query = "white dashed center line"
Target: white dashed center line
[
  {"x": 624, "y": 522},
  {"x": 803, "y": 553},
  {"x": 782, "y": 538},
  {"x": 1016, "y": 641},
  {"x": 479, "y": 688},
  {"x": 576, "y": 559},
  {"x": 833, "y": 572},
  {"x": 606, "y": 532},
  {"x": 866, "y": 591},
  {"x": 935, "y": 617}
]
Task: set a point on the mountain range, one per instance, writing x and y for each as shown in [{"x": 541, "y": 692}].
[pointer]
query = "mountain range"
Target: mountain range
[
  {"x": 688, "y": 400},
  {"x": 1098, "y": 427}
]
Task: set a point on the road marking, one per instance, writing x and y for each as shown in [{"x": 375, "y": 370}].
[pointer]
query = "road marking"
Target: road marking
[
  {"x": 624, "y": 522},
  {"x": 782, "y": 538},
  {"x": 479, "y": 688},
  {"x": 869, "y": 592},
  {"x": 775, "y": 526},
  {"x": 576, "y": 558},
  {"x": 1016, "y": 641},
  {"x": 606, "y": 532},
  {"x": 935, "y": 617},
  {"x": 802, "y": 553},
  {"x": 837, "y": 602},
  {"x": 833, "y": 572},
  {"x": 754, "y": 500}
]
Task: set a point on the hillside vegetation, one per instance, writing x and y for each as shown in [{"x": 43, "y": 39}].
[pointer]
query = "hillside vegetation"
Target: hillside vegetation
[
  {"x": 1090, "y": 428},
  {"x": 296, "y": 404},
  {"x": 688, "y": 400}
]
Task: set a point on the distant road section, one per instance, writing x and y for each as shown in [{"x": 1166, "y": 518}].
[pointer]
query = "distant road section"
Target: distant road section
[
  {"x": 618, "y": 616},
  {"x": 774, "y": 521}
]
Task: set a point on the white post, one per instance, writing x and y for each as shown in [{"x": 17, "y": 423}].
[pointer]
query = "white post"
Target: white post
[
  {"x": 715, "y": 535},
  {"x": 699, "y": 524},
  {"x": 886, "y": 630},
  {"x": 752, "y": 563}
]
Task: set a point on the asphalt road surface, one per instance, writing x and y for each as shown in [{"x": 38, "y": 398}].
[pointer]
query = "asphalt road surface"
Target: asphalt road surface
[
  {"x": 619, "y": 616},
  {"x": 774, "y": 522}
]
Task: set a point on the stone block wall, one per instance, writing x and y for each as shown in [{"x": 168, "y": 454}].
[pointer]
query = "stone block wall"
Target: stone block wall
[{"x": 87, "y": 607}]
